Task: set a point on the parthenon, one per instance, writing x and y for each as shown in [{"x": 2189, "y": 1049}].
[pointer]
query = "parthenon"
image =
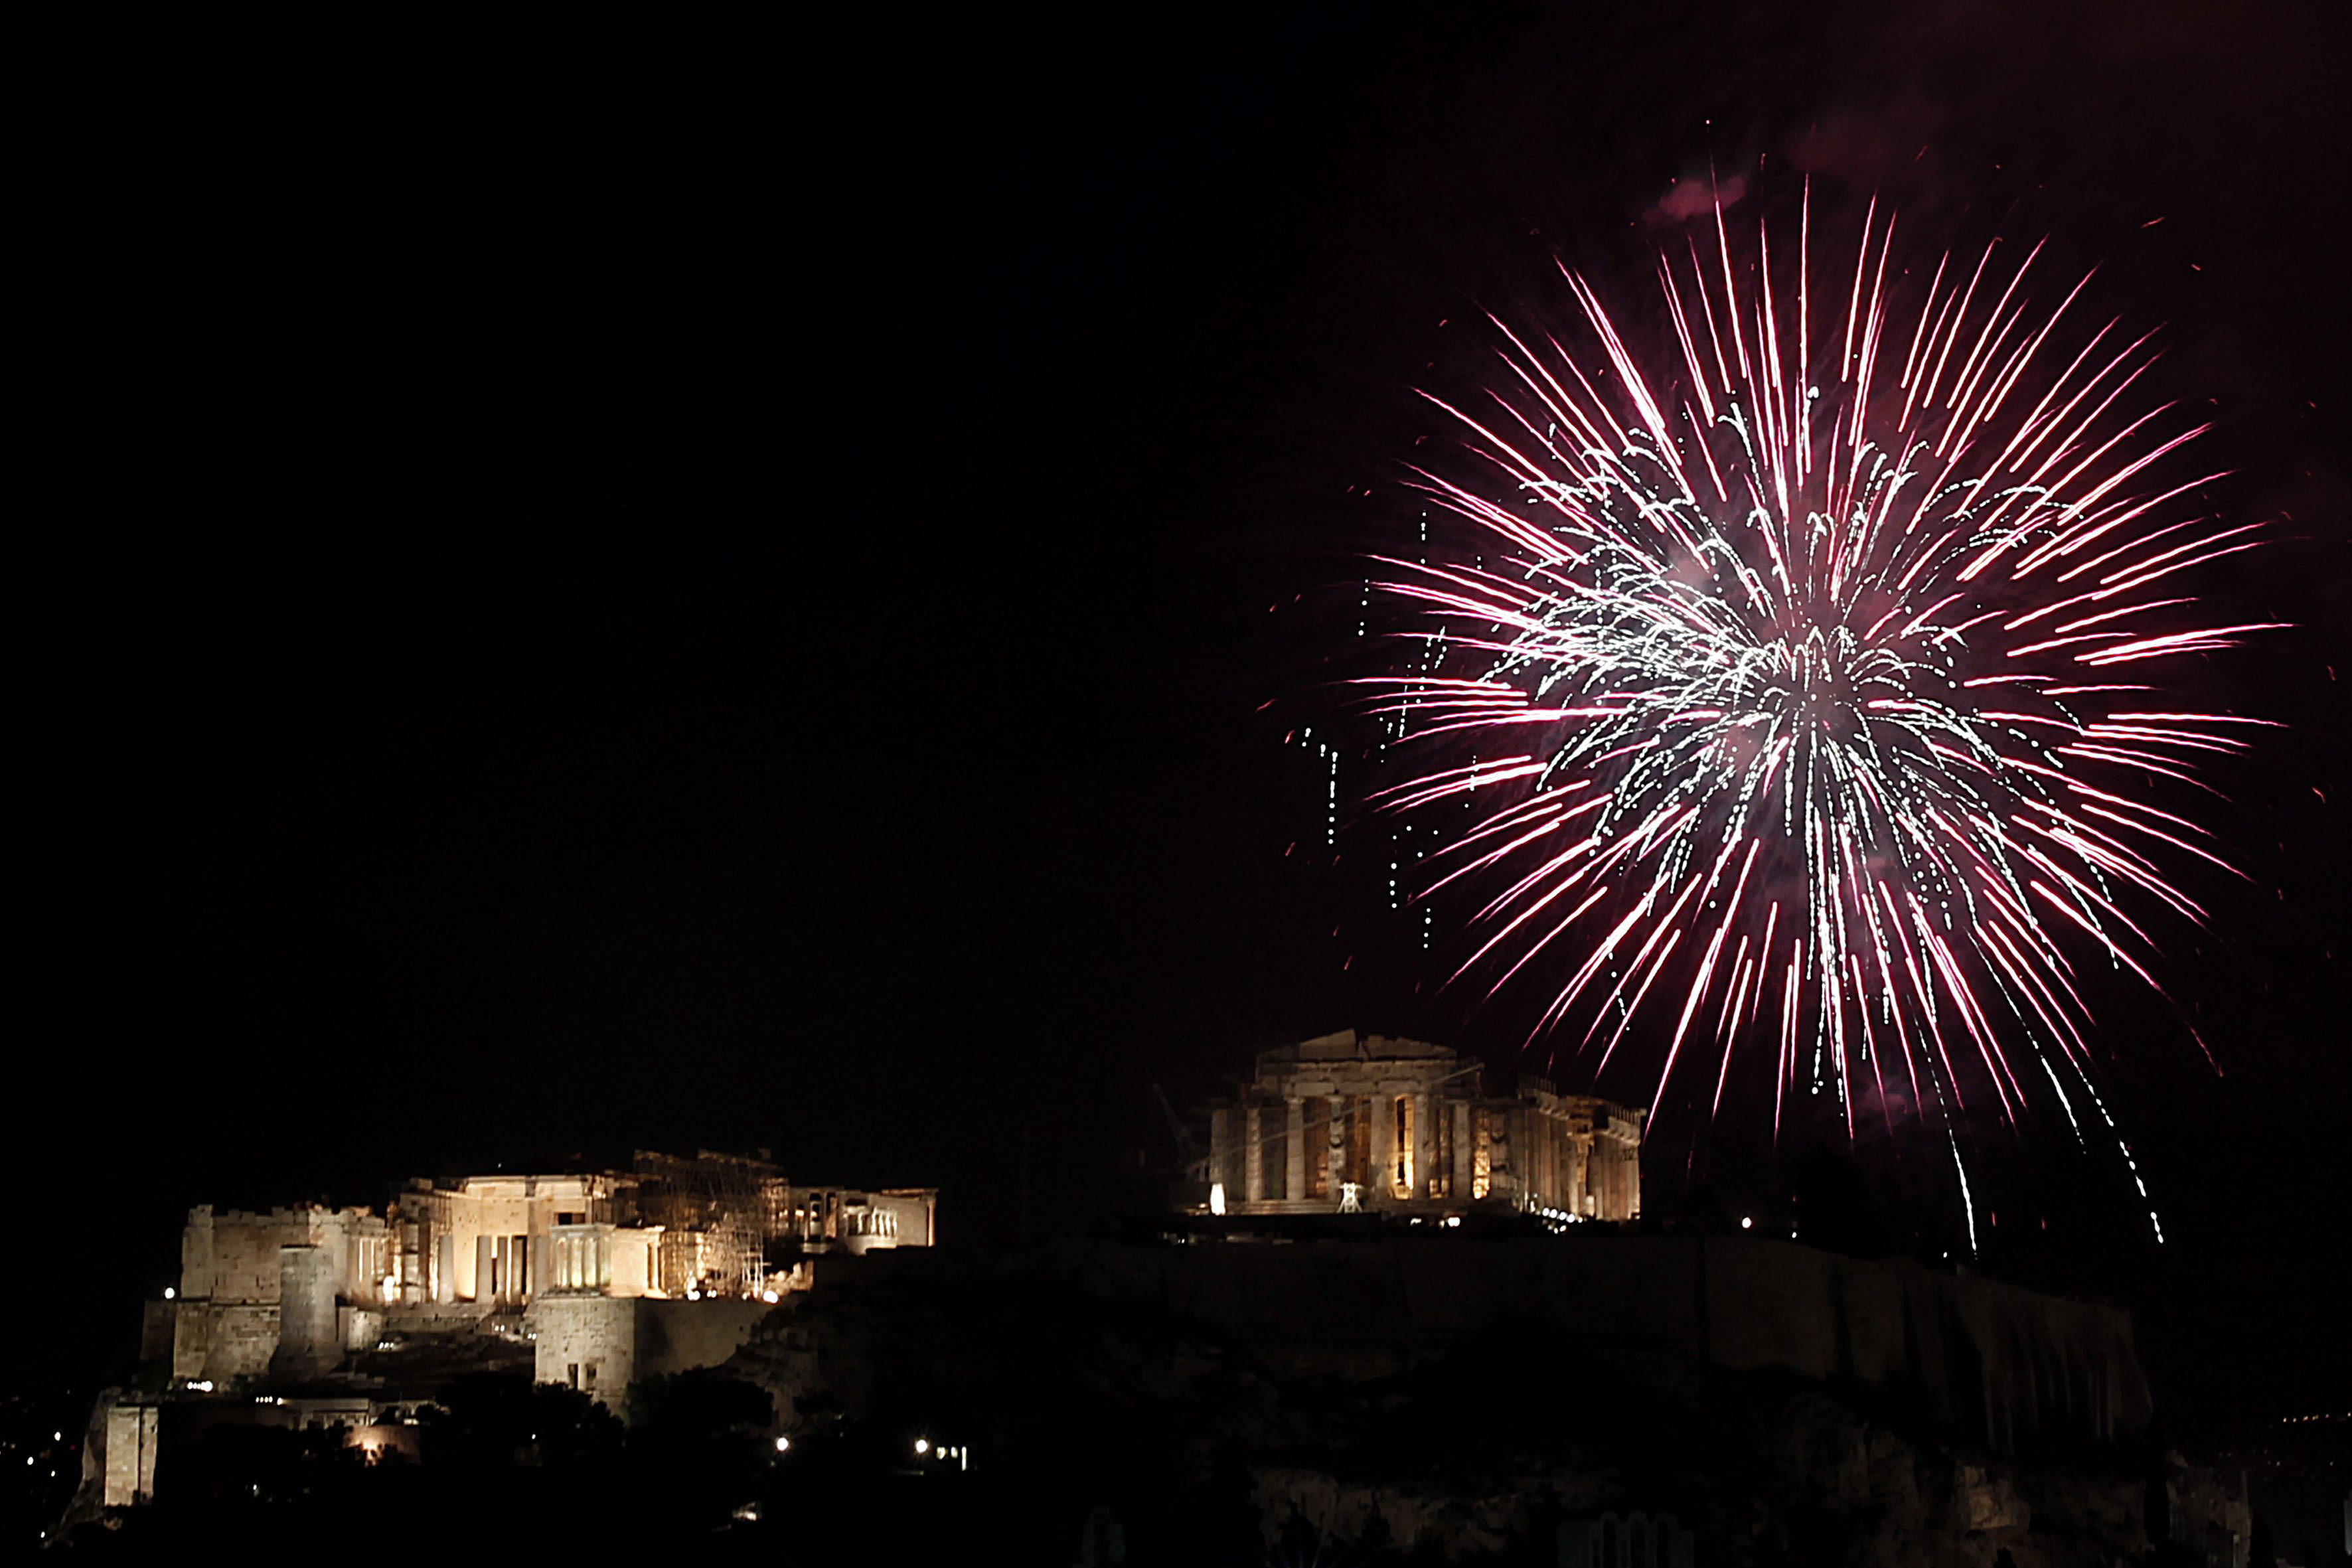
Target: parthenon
[{"x": 1347, "y": 1122}]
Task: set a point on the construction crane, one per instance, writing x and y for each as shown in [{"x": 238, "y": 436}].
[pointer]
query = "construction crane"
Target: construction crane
[{"x": 1196, "y": 1164}]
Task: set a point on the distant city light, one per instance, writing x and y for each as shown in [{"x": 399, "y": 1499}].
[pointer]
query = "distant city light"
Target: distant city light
[
  {"x": 170, "y": 1294},
  {"x": 1746, "y": 1223},
  {"x": 922, "y": 1445},
  {"x": 1216, "y": 1197},
  {"x": 784, "y": 1444}
]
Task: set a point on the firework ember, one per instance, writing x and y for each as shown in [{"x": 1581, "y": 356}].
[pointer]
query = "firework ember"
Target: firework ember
[{"x": 1806, "y": 687}]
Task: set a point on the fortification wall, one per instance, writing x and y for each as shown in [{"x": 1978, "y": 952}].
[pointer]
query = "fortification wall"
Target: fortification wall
[
  {"x": 132, "y": 1443},
  {"x": 232, "y": 1255},
  {"x": 601, "y": 1344},
  {"x": 220, "y": 1342},
  {"x": 588, "y": 1342},
  {"x": 1993, "y": 1363},
  {"x": 307, "y": 1342},
  {"x": 678, "y": 1336}
]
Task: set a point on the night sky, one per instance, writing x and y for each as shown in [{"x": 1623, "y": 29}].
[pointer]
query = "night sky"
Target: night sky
[{"x": 583, "y": 593}]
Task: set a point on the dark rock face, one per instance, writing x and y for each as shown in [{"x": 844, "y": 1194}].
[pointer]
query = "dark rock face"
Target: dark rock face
[{"x": 1459, "y": 1400}]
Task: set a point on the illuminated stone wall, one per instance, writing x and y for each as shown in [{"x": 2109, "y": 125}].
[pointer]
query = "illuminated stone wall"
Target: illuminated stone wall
[
  {"x": 230, "y": 1255},
  {"x": 224, "y": 1317},
  {"x": 218, "y": 1343},
  {"x": 585, "y": 1341},
  {"x": 131, "y": 1434},
  {"x": 603, "y": 1344}
]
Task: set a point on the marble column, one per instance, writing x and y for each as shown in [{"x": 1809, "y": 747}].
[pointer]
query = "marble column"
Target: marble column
[
  {"x": 1465, "y": 1152},
  {"x": 1335, "y": 1144},
  {"x": 1294, "y": 1149},
  {"x": 1254, "y": 1154},
  {"x": 1424, "y": 1145}
]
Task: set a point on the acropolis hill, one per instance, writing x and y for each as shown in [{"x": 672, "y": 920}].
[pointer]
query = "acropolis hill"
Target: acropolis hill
[{"x": 1396, "y": 1299}]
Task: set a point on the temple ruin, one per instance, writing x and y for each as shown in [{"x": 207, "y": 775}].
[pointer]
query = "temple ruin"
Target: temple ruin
[
  {"x": 597, "y": 1279},
  {"x": 290, "y": 1293},
  {"x": 1346, "y": 1122}
]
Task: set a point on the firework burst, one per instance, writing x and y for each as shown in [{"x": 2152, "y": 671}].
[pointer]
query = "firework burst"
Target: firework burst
[{"x": 1805, "y": 687}]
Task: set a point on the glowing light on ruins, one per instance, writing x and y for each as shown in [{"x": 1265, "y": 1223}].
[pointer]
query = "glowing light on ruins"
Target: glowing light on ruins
[{"x": 1804, "y": 688}]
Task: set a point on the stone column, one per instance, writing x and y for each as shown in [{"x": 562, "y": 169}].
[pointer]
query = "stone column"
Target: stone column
[
  {"x": 1424, "y": 1145},
  {"x": 1221, "y": 1143},
  {"x": 1254, "y": 1154},
  {"x": 1294, "y": 1149},
  {"x": 1383, "y": 1156},
  {"x": 1546, "y": 1130},
  {"x": 1332, "y": 1145},
  {"x": 411, "y": 1267},
  {"x": 1465, "y": 1152}
]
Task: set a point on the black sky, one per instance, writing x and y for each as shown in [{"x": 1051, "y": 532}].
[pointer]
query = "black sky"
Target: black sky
[{"x": 586, "y": 592}]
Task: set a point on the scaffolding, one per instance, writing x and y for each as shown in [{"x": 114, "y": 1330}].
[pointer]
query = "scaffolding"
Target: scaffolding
[{"x": 717, "y": 1211}]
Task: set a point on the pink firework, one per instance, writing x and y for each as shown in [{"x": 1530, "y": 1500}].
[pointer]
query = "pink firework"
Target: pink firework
[{"x": 1809, "y": 682}]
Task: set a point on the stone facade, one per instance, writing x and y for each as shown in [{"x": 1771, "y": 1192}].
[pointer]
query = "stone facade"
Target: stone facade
[
  {"x": 1344, "y": 1122},
  {"x": 485, "y": 1238}
]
